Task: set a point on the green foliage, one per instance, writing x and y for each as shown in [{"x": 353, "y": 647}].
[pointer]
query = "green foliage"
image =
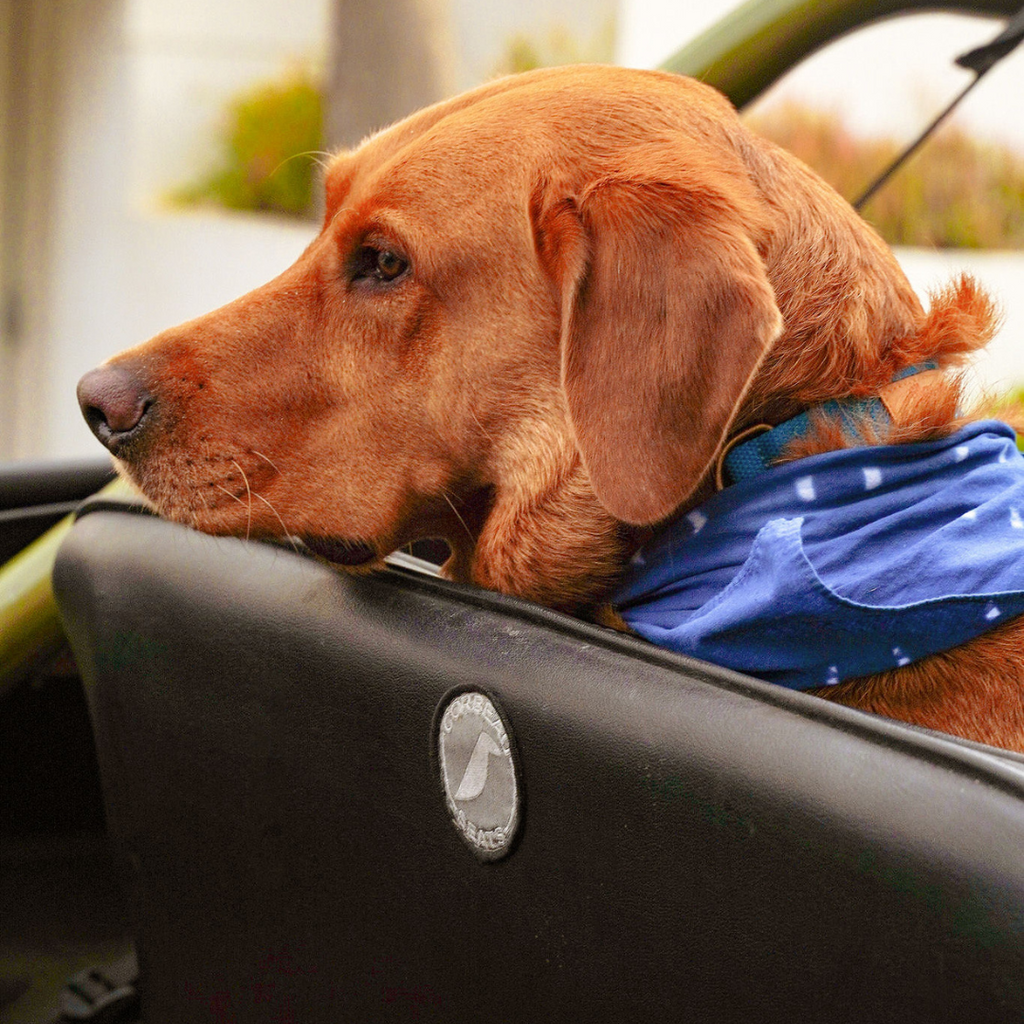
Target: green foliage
[
  {"x": 957, "y": 192},
  {"x": 269, "y": 142}
]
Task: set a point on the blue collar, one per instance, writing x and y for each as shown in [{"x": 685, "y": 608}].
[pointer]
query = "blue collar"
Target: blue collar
[
  {"x": 841, "y": 564},
  {"x": 767, "y": 445}
]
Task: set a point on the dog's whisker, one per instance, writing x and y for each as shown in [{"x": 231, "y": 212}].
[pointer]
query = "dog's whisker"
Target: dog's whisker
[
  {"x": 248, "y": 491},
  {"x": 287, "y": 533},
  {"x": 229, "y": 494},
  {"x": 269, "y": 462},
  {"x": 451, "y": 505},
  {"x": 314, "y": 154},
  {"x": 483, "y": 430},
  {"x": 320, "y": 157}
]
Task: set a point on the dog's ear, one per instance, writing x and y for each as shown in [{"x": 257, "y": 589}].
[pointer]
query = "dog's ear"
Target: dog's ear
[{"x": 666, "y": 315}]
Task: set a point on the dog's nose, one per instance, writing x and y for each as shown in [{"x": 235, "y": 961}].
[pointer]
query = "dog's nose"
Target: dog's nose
[{"x": 114, "y": 403}]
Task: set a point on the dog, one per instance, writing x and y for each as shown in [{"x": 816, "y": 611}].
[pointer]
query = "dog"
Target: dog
[{"x": 535, "y": 318}]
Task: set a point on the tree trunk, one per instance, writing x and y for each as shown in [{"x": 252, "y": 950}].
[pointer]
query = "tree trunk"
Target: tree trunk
[{"x": 385, "y": 61}]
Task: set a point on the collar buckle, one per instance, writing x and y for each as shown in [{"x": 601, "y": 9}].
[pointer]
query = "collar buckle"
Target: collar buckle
[{"x": 737, "y": 439}]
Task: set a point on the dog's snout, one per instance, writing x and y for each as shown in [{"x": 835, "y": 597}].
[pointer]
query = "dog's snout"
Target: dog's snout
[{"x": 115, "y": 404}]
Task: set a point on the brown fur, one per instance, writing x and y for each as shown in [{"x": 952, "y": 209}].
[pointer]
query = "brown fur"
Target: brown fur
[{"x": 608, "y": 276}]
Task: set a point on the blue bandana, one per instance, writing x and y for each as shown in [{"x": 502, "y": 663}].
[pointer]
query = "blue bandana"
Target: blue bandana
[{"x": 841, "y": 564}]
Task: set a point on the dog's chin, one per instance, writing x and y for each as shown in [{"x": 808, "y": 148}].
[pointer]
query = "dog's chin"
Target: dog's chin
[{"x": 349, "y": 554}]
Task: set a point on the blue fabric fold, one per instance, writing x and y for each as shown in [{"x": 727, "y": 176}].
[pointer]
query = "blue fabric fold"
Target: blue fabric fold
[{"x": 841, "y": 564}]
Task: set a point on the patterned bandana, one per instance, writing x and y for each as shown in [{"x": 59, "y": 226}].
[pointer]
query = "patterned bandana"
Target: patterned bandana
[{"x": 841, "y": 564}]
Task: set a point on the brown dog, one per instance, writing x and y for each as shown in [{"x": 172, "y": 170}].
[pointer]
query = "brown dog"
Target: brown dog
[{"x": 531, "y": 319}]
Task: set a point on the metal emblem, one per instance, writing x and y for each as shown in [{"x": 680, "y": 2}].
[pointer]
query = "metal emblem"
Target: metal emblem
[{"x": 478, "y": 774}]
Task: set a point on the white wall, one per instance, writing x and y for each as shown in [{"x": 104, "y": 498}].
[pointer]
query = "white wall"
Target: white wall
[
  {"x": 157, "y": 271},
  {"x": 66, "y": 187},
  {"x": 98, "y": 269},
  {"x": 8, "y": 267}
]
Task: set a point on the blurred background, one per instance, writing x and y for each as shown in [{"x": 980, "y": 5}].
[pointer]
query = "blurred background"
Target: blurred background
[{"x": 160, "y": 157}]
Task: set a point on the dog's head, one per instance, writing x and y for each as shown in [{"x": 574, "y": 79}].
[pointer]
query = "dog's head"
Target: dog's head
[{"x": 530, "y": 318}]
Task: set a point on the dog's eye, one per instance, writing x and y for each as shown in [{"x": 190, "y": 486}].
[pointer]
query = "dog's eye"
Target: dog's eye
[
  {"x": 380, "y": 265},
  {"x": 389, "y": 265}
]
